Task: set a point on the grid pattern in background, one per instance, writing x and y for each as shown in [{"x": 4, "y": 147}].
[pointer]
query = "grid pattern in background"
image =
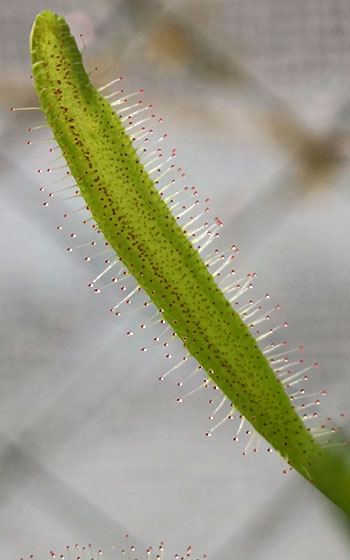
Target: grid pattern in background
[
  {"x": 255, "y": 95},
  {"x": 292, "y": 40},
  {"x": 282, "y": 40}
]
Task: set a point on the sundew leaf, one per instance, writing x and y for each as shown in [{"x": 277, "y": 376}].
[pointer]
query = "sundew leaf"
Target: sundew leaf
[
  {"x": 138, "y": 225},
  {"x": 121, "y": 550}
]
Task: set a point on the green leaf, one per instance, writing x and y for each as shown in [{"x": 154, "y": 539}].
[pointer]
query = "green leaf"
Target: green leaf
[{"x": 138, "y": 225}]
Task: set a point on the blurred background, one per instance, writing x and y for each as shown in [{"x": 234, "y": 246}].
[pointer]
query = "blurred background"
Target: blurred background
[{"x": 255, "y": 96}]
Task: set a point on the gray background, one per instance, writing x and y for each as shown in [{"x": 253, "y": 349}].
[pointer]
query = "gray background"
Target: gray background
[{"x": 255, "y": 96}]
